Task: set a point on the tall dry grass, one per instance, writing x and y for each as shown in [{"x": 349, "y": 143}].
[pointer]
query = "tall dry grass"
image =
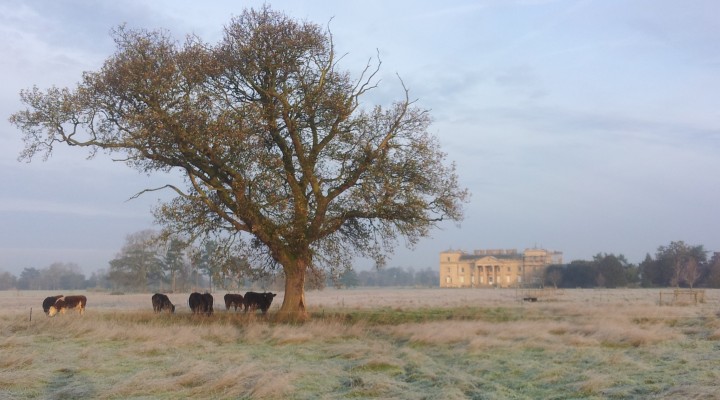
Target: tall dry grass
[{"x": 399, "y": 343}]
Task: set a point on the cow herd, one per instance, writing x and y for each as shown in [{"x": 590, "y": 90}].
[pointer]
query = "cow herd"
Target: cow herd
[
  {"x": 200, "y": 303},
  {"x": 203, "y": 303}
]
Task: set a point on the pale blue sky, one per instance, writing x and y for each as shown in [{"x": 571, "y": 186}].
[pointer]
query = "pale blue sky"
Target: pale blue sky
[{"x": 579, "y": 126}]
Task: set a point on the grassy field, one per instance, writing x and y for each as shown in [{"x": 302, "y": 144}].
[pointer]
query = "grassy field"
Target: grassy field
[{"x": 382, "y": 343}]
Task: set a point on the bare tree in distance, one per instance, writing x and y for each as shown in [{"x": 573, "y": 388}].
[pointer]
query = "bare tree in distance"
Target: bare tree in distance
[
  {"x": 691, "y": 272},
  {"x": 138, "y": 264},
  {"x": 681, "y": 256},
  {"x": 282, "y": 159}
]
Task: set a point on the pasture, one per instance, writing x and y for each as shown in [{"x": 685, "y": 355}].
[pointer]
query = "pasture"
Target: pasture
[{"x": 367, "y": 343}]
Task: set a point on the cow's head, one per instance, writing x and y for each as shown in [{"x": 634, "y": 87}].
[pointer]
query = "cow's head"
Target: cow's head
[
  {"x": 58, "y": 306},
  {"x": 267, "y": 300}
]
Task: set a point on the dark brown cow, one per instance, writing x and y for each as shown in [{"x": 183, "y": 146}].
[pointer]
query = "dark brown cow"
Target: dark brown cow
[
  {"x": 201, "y": 303},
  {"x": 68, "y": 302},
  {"x": 196, "y": 303},
  {"x": 49, "y": 301},
  {"x": 233, "y": 300},
  {"x": 255, "y": 300},
  {"x": 208, "y": 303},
  {"x": 161, "y": 302}
]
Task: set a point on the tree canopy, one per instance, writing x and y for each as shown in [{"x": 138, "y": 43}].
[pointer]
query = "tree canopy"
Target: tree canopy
[
  {"x": 604, "y": 270},
  {"x": 281, "y": 157},
  {"x": 674, "y": 264}
]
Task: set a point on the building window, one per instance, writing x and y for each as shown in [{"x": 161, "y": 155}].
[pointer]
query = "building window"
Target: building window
[
  {"x": 490, "y": 278},
  {"x": 462, "y": 279},
  {"x": 462, "y": 270},
  {"x": 448, "y": 279},
  {"x": 472, "y": 278}
]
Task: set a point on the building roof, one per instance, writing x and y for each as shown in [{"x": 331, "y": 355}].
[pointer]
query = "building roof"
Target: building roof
[{"x": 472, "y": 257}]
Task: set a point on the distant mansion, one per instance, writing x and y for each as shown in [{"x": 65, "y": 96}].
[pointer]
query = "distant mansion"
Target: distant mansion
[{"x": 495, "y": 268}]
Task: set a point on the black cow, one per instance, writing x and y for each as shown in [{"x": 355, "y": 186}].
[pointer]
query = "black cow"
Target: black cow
[
  {"x": 161, "y": 302},
  {"x": 255, "y": 300},
  {"x": 49, "y": 301},
  {"x": 233, "y": 300},
  {"x": 208, "y": 303},
  {"x": 201, "y": 303}
]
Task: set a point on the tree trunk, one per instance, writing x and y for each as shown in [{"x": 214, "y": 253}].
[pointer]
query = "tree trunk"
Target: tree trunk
[{"x": 293, "y": 306}]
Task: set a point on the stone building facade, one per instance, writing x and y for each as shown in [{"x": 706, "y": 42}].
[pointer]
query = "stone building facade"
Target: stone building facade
[{"x": 495, "y": 268}]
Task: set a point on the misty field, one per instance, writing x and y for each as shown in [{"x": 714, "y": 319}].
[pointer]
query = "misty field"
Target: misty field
[{"x": 367, "y": 343}]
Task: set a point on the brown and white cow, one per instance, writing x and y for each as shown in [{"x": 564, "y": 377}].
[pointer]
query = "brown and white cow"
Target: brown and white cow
[
  {"x": 49, "y": 301},
  {"x": 68, "y": 303}
]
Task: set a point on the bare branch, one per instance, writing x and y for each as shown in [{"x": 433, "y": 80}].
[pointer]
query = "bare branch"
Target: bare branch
[{"x": 173, "y": 187}]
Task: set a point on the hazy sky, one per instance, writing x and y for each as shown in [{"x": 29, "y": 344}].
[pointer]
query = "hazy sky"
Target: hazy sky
[{"x": 578, "y": 126}]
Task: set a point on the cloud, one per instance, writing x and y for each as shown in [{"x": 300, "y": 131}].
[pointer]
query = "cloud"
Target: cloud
[{"x": 35, "y": 51}]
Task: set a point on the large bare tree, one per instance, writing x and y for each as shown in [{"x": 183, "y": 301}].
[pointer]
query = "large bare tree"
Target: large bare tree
[{"x": 280, "y": 155}]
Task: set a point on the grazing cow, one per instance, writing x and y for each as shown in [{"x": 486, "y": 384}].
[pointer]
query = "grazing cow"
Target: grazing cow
[
  {"x": 196, "y": 303},
  {"x": 255, "y": 300},
  {"x": 161, "y": 302},
  {"x": 68, "y": 302},
  {"x": 233, "y": 300},
  {"x": 49, "y": 301},
  {"x": 201, "y": 303},
  {"x": 208, "y": 303}
]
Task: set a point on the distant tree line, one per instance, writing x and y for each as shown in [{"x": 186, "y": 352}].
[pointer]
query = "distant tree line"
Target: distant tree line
[
  {"x": 675, "y": 265},
  {"x": 394, "y": 276},
  {"x": 148, "y": 263},
  {"x": 57, "y": 276},
  {"x": 604, "y": 270},
  {"x": 60, "y": 276}
]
